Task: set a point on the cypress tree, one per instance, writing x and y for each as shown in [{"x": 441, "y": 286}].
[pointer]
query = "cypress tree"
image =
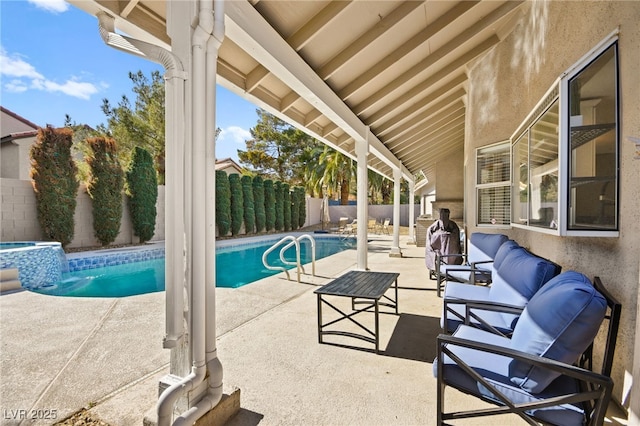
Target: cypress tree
[
  {"x": 54, "y": 181},
  {"x": 142, "y": 193},
  {"x": 249, "y": 207},
  {"x": 259, "y": 203},
  {"x": 237, "y": 204},
  {"x": 105, "y": 188},
  {"x": 295, "y": 208},
  {"x": 279, "y": 197},
  {"x": 286, "y": 206},
  {"x": 223, "y": 203},
  {"x": 302, "y": 215},
  {"x": 269, "y": 205}
]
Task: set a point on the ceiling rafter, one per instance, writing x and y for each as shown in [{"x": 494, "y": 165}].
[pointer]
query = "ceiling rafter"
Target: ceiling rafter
[
  {"x": 454, "y": 66},
  {"x": 405, "y": 48},
  {"x": 255, "y": 77},
  {"x": 441, "y": 138},
  {"x": 442, "y": 119},
  {"x": 425, "y": 115},
  {"x": 381, "y": 27},
  {"x": 411, "y": 110},
  {"x": 288, "y": 100},
  {"x": 310, "y": 29}
]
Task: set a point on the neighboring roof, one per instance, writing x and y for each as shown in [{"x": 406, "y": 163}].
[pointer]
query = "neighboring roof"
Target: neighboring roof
[
  {"x": 226, "y": 163},
  {"x": 18, "y": 117},
  {"x": 18, "y": 135}
]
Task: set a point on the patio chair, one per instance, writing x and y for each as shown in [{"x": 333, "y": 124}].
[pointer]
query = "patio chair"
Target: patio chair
[
  {"x": 350, "y": 228},
  {"x": 517, "y": 276},
  {"x": 372, "y": 225},
  {"x": 342, "y": 222},
  {"x": 533, "y": 374},
  {"x": 481, "y": 251},
  {"x": 384, "y": 226}
]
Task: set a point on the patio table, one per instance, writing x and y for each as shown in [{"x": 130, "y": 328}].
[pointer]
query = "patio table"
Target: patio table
[{"x": 363, "y": 287}]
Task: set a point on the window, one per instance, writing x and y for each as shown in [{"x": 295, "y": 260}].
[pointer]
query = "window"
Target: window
[
  {"x": 493, "y": 185},
  {"x": 564, "y": 156},
  {"x": 593, "y": 158}
]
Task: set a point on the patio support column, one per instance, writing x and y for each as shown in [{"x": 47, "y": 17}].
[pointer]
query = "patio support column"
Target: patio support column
[
  {"x": 362, "y": 151},
  {"x": 395, "y": 246},
  {"x": 412, "y": 194}
]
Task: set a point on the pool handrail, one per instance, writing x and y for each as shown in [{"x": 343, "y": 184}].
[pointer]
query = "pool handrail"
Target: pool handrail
[
  {"x": 293, "y": 241},
  {"x": 313, "y": 253}
]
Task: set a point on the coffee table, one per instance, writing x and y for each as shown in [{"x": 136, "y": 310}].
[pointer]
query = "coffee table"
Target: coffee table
[{"x": 363, "y": 287}]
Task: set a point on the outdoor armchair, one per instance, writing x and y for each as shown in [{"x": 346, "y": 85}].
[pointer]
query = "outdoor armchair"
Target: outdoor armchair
[
  {"x": 533, "y": 374},
  {"x": 476, "y": 262},
  {"x": 517, "y": 275}
]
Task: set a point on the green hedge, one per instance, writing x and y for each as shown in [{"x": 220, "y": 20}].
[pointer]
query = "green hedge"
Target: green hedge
[
  {"x": 258, "y": 199},
  {"x": 295, "y": 209},
  {"x": 237, "y": 203},
  {"x": 279, "y": 198},
  {"x": 223, "y": 203},
  {"x": 54, "y": 181},
  {"x": 286, "y": 206},
  {"x": 105, "y": 188},
  {"x": 249, "y": 209},
  {"x": 269, "y": 205},
  {"x": 142, "y": 193},
  {"x": 302, "y": 214}
]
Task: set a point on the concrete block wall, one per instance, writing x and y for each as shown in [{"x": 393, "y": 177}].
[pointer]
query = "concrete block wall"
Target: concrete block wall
[
  {"x": 19, "y": 216},
  {"x": 20, "y": 221}
]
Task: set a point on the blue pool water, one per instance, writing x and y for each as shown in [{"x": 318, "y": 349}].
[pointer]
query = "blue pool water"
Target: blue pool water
[{"x": 235, "y": 266}]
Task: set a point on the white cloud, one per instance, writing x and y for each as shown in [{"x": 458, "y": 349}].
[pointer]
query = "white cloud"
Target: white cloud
[
  {"x": 234, "y": 134},
  {"x": 25, "y": 77},
  {"x": 55, "y": 6},
  {"x": 16, "y": 86}
]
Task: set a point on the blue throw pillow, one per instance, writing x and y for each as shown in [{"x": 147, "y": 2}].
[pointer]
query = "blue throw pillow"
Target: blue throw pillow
[{"x": 560, "y": 322}]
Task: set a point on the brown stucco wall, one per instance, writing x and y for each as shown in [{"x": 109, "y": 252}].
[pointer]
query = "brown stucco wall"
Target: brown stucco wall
[{"x": 504, "y": 87}]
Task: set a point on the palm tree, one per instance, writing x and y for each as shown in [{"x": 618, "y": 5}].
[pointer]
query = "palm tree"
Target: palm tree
[{"x": 338, "y": 171}]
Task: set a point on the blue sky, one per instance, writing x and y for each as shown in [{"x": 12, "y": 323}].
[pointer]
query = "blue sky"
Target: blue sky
[{"x": 53, "y": 62}]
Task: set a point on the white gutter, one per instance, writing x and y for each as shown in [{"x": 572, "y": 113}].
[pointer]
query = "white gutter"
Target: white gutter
[
  {"x": 175, "y": 78},
  {"x": 203, "y": 326}
]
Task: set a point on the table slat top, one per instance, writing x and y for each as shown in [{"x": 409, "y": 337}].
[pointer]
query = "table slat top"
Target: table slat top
[{"x": 363, "y": 284}]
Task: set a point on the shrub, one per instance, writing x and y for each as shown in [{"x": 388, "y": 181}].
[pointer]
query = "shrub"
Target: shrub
[
  {"x": 295, "y": 208},
  {"x": 302, "y": 215},
  {"x": 105, "y": 188},
  {"x": 259, "y": 203},
  {"x": 286, "y": 206},
  {"x": 237, "y": 205},
  {"x": 223, "y": 203},
  {"x": 269, "y": 205},
  {"x": 279, "y": 198},
  {"x": 54, "y": 181},
  {"x": 142, "y": 194},
  {"x": 249, "y": 209}
]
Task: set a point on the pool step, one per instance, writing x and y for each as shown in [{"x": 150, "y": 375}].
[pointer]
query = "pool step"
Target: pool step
[{"x": 9, "y": 279}]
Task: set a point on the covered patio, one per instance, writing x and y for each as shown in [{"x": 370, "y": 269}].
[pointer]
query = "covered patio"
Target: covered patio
[{"x": 408, "y": 89}]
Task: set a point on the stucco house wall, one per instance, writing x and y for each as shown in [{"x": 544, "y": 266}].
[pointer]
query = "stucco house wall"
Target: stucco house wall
[{"x": 506, "y": 84}]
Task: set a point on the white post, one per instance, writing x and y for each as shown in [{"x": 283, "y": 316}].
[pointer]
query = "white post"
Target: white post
[
  {"x": 362, "y": 151},
  {"x": 412, "y": 239},
  {"x": 395, "y": 247}
]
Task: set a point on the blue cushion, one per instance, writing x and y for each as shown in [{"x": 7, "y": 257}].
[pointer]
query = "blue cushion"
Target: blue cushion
[
  {"x": 520, "y": 276},
  {"x": 559, "y": 323},
  {"x": 502, "y": 252},
  {"x": 495, "y": 369},
  {"x": 484, "y": 246}
]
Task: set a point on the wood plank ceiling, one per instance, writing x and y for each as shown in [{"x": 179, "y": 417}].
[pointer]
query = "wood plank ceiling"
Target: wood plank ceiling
[{"x": 399, "y": 67}]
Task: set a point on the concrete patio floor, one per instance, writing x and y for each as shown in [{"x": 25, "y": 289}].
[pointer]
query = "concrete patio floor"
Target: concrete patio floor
[{"x": 106, "y": 355}]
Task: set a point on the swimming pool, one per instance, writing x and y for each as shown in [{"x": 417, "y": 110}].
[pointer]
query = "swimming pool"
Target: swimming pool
[{"x": 236, "y": 265}]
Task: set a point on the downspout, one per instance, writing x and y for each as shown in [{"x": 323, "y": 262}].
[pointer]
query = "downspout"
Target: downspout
[
  {"x": 175, "y": 78},
  {"x": 214, "y": 367}
]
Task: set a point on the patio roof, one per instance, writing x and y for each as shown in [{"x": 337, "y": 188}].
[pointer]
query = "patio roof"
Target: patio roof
[{"x": 389, "y": 72}]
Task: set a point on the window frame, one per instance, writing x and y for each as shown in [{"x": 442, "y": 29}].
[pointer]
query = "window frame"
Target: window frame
[
  {"x": 501, "y": 184},
  {"x": 559, "y": 91}
]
